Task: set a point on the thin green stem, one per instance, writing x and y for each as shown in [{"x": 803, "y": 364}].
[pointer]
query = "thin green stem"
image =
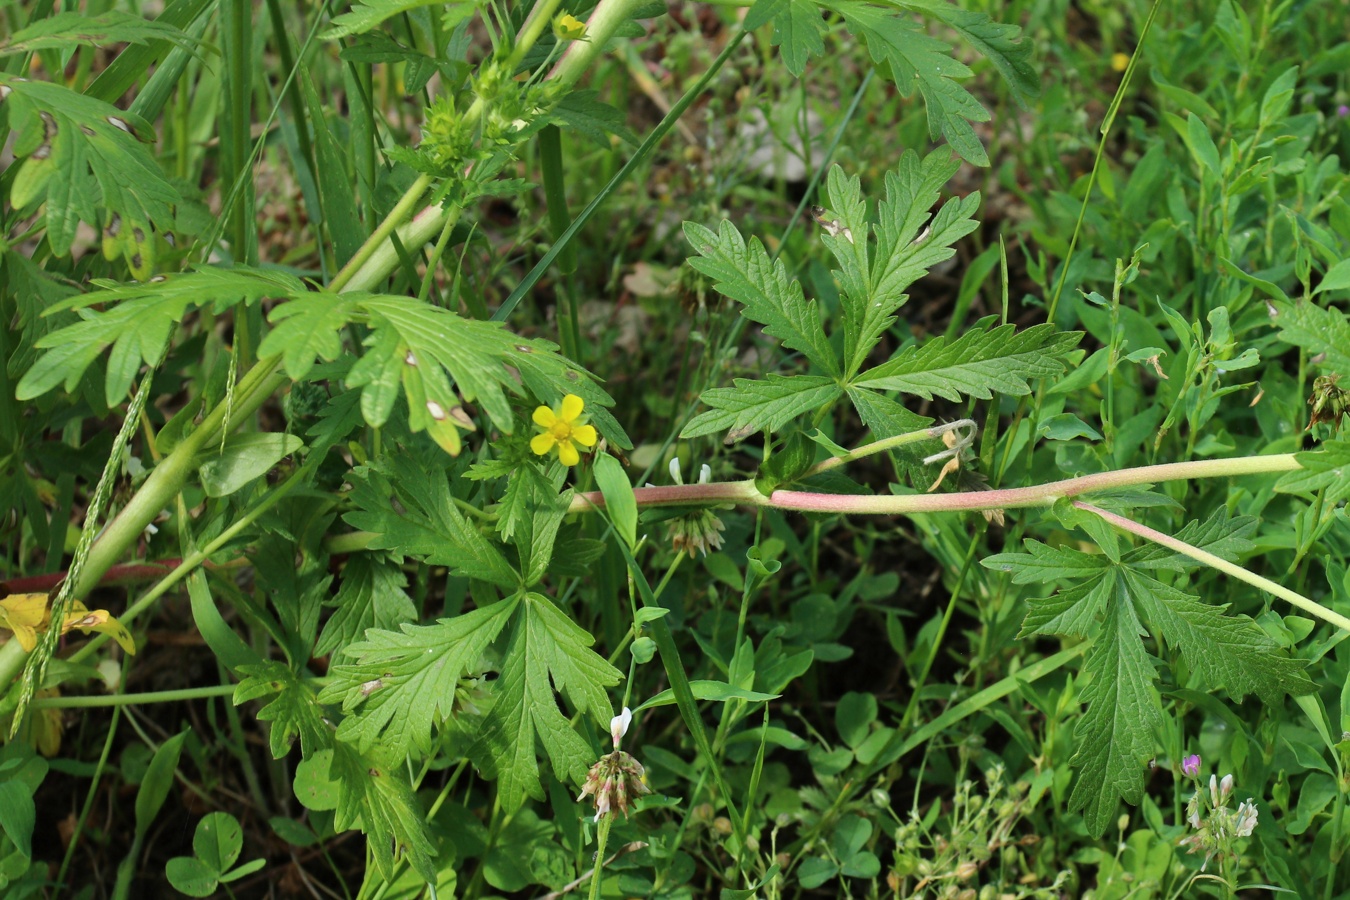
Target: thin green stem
[
  {"x": 601, "y": 838},
  {"x": 219, "y": 690},
  {"x": 1223, "y": 565}
]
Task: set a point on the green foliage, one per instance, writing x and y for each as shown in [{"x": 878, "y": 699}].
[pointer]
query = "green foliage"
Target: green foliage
[{"x": 1114, "y": 603}]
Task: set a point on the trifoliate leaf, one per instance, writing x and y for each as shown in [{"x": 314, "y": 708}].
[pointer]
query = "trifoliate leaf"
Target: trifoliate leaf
[
  {"x": 1115, "y": 736},
  {"x": 403, "y": 683},
  {"x": 976, "y": 364},
  {"x": 547, "y": 651},
  {"x": 425, "y": 525},
  {"x": 1327, "y": 468},
  {"x": 752, "y": 405},
  {"x": 137, "y": 320},
  {"x": 914, "y": 60},
  {"x": 370, "y": 595},
  {"x": 378, "y": 798},
  {"x": 294, "y": 710},
  {"x": 745, "y": 273},
  {"x": 1228, "y": 652}
]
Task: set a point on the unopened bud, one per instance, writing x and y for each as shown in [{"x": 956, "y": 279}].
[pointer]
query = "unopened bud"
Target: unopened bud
[
  {"x": 722, "y": 825},
  {"x": 1123, "y": 822},
  {"x": 967, "y": 870}
]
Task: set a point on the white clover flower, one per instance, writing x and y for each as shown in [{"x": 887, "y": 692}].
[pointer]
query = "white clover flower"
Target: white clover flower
[
  {"x": 618, "y": 726},
  {"x": 1246, "y": 818}
]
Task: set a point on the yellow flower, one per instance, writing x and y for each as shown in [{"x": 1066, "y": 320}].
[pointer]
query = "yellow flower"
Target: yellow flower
[
  {"x": 568, "y": 27},
  {"x": 1120, "y": 61},
  {"x": 561, "y": 429}
]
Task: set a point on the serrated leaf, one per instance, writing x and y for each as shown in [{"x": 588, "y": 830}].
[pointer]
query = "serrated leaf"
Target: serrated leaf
[
  {"x": 366, "y": 14},
  {"x": 370, "y": 595},
  {"x": 1115, "y": 734},
  {"x": 83, "y": 156},
  {"x": 1228, "y": 652},
  {"x": 872, "y": 290},
  {"x": 113, "y": 27},
  {"x": 976, "y": 364},
  {"x": 914, "y": 60},
  {"x": 1327, "y": 468},
  {"x": 294, "y": 710},
  {"x": 137, "y": 320},
  {"x": 1042, "y": 563},
  {"x": 752, "y": 405},
  {"x": 1073, "y": 611},
  {"x": 403, "y": 683},
  {"x": 798, "y": 32},
  {"x": 547, "y": 651},
  {"x": 426, "y": 525},
  {"x": 584, "y": 112},
  {"x": 307, "y": 329},
  {"x": 745, "y": 273},
  {"x": 1223, "y": 536},
  {"x": 380, "y": 799},
  {"x": 1324, "y": 333},
  {"x": 1001, "y": 44},
  {"x": 538, "y": 513}
]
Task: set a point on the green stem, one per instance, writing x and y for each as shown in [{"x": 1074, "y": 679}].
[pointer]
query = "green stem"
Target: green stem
[
  {"x": 219, "y": 690},
  {"x": 890, "y": 443},
  {"x": 1223, "y": 565},
  {"x": 601, "y": 838}
]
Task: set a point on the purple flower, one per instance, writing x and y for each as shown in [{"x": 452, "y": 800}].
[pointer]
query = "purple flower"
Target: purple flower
[
  {"x": 1190, "y": 766},
  {"x": 1343, "y": 110}
]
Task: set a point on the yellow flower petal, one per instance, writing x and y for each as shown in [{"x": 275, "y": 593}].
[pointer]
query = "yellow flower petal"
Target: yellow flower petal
[
  {"x": 572, "y": 406},
  {"x": 585, "y": 435},
  {"x": 544, "y": 417},
  {"x": 568, "y": 454},
  {"x": 542, "y": 443}
]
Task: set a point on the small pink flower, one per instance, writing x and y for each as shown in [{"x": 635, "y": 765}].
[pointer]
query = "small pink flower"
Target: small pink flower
[{"x": 1190, "y": 766}]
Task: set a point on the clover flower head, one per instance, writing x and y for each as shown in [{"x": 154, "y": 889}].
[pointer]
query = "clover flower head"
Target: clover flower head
[
  {"x": 563, "y": 429},
  {"x": 1190, "y": 766},
  {"x": 614, "y": 780}
]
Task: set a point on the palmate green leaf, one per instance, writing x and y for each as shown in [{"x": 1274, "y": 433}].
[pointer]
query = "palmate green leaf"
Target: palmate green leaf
[
  {"x": 768, "y": 295},
  {"x": 371, "y": 595},
  {"x": 379, "y": 800},
  {"x": 1115, "y": 736},
  {"x": 84, "y": 159},
  {"x": 1324, "y": 333},
  {"x": 547, "y": 651},
  {"x": 1228, "y": 652},
  {"x": 1327, "y": 468},
  {"x": 294, "y": 709},
  {"x": 914, "y": 60},
  {"x": 981, "y": 361},
  {"x": 752, "y": 405},
  {"x": 873, "y": 283},
  {"x": 1113, "y": 601},
  {"x": 403, "y": 683},
  {"x": 411, "y": 511},
  {"x": 69, "y": 28},
  {"x": 137, "y": 322}
]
